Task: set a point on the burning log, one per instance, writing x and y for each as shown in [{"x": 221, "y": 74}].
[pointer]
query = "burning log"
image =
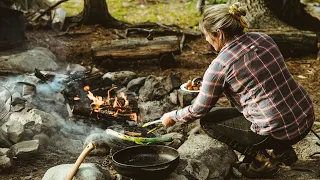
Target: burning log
[
  {"x": 135, "y": 48},
  {"x": 107, "y": 112}
]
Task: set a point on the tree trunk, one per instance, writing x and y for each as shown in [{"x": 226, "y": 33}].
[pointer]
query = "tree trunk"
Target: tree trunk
[
  {"x": 278, "y": 14},
  {"x": 259, "y": 16},
  {"x": 96, "y": 12},
  {"x": 294, "y": 13}
]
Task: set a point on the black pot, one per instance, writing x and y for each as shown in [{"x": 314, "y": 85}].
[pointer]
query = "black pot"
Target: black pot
[
  {"x": 146, "y": 162},
  {"x": 12, "y": 28}
]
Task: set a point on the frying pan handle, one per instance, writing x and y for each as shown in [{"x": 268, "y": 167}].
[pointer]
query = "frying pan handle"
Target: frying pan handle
[{"x": 155, "y": 168}]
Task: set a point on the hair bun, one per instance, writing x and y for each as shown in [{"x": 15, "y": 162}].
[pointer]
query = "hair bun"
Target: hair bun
[{"x": 236, "y": 10}]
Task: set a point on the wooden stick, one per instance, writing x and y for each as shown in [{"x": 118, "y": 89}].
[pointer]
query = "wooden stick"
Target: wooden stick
[{"x": 80, "y": 159}]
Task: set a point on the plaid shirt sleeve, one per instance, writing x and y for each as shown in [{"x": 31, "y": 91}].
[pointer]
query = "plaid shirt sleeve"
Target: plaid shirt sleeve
[
  {"x": 252, "y": 73},
  {"x": 211, "y": 90}
]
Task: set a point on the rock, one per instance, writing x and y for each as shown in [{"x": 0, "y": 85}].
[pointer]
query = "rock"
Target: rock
[
  {"x": 41, "y": 120},
  {"x": 15, "y": 132},
  {"x": 153, "y": 89},
  {"x": 174, "y": 176},
  {"x": 120, "y": 77},
  {"x": 152, "y": 110},
  {"x": 86, "y": 171},
  {"x": 5, "y": 162},
  {"x": 193, "y": 169},
  {"x": 17, "y": 102},
  {"x": 172, "y": 82},
  {"x": 74, "y": 68},
  {"x": 174, "y": 97},
  {"x": 4, "y": 151},
  {"x": 183, "y": 128},
  {"x": 4, "y": 141},
  {"x": 43, "y": 139},
  {"x": 185, "y": 98},
  {"x": 29, "y": 90},
  {"x": 40, "y": 58},
  {"x": 25, "y": 149},
  {"x": 215, "y": 155},
  {"x": 175, "y": 143},
  {"x": 135, "y": 84}
]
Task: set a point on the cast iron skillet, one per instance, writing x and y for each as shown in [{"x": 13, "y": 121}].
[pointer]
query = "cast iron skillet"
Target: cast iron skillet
[{"x": 146, "y": 161}]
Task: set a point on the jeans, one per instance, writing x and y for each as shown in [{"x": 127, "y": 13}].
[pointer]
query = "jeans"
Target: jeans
[{"x": 228, "y": 125}]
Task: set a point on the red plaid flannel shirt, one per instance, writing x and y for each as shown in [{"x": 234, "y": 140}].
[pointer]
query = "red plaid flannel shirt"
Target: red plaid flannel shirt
[{"x": 252, "y": 73}]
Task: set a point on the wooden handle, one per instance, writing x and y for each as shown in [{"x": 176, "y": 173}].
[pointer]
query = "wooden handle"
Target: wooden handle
[{"x": 80, "y": 159}]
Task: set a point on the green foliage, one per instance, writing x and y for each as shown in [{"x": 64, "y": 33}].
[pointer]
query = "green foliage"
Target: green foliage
[
  {"x": 183, "y": 14},
  {"x": 179, "y": 12},
  {"x": 72, "y": 7}
]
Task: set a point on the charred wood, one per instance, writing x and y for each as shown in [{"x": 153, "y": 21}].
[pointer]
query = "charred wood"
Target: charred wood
[
  {"x": 43, "y": 77},
  {"x": 105, "y": 114}
]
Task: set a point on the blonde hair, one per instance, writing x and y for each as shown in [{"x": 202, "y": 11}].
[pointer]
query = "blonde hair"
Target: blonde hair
[{"x": 223, "y": 17}]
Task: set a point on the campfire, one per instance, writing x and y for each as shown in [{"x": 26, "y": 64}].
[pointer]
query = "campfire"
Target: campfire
[
  {"x": 101, "y": 102},
  {"x": 116, "y": 107}
]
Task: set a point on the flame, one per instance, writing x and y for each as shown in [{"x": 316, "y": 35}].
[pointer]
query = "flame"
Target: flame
[
  {"x": 126, "y": 102},
  {"x": 98, "y": 104},
  {"x": 86, "y": 88},
  {"x": 76, "y": 98}
]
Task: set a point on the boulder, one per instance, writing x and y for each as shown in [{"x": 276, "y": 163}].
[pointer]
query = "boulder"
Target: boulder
[
  {"x": 40, "y": 58},
  {"x": 215, "y": 155},
  {"x": 86, "y": 171},
  {"x": 4, "y": 141},
  {"x": 25, "y": 149},
  {"x": 153, "y": 89},
  {"x": 120, "y": 77}
]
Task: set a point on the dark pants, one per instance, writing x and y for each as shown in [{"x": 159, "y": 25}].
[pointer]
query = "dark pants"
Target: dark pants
[{"x": 228, "y": 125}]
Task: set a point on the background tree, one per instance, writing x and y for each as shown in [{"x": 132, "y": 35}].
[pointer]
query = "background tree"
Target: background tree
[{"x": 275, "y": 14}]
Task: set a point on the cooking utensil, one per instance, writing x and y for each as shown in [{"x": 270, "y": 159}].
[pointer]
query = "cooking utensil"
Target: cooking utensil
[{"x": 146, "y": 161}]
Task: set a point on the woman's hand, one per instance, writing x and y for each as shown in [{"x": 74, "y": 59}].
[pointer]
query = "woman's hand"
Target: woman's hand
[{"x": 167, "y": 120}]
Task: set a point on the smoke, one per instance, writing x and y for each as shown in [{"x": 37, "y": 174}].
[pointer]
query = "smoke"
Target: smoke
[{"x": 47, "y": 97}]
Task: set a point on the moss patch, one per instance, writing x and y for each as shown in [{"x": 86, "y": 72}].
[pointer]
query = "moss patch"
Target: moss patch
[{"x": 180, "y": 12}]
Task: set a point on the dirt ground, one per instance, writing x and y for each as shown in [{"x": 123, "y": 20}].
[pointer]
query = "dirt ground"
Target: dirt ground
[{"x": 193, "y": 61}]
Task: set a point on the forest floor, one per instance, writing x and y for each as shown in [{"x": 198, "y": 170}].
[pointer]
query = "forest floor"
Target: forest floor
[{"x": 193, "y": 61}]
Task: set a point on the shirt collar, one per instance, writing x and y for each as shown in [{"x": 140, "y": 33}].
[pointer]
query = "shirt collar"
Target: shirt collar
[{"x": 239, "y": 38}]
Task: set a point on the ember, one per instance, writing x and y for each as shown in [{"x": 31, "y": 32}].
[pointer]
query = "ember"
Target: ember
[{"x": 117, "y": 106}]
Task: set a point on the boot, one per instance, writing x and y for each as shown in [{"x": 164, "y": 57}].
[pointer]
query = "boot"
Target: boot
[
  {"x": 286, "y": 156},
  {"x": 262, "y": 166}
]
